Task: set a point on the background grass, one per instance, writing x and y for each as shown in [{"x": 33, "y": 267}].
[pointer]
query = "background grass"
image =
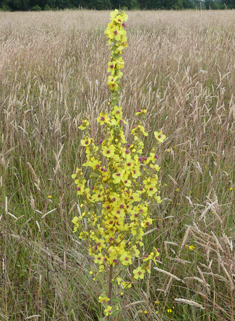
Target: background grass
[{"x": 180, "y": 66}]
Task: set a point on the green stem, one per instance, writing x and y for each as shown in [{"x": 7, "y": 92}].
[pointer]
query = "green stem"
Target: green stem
[{"x": 110, "y": 286}]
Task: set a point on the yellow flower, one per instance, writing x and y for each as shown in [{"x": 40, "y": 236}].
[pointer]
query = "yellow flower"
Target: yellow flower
[
  {"x": 118, "y": 177},
  {"x": 126, "y": 284},
  {"x": 147, "y": 222},
  {"x": 158, "y": 199},
  {"x": 112, "y": 83},
  {"x": 92, "y": 162},
  {"x": 76, "y": 221},
  {"x": 159, "y": 136},
  {"x": 126, "y": 259},
  {"x": 115, "y": 33},
  {"x": 108, "y": 310},
  {"x": 141, "y": 112},
  {"x": 191, "y": 247},
  {"x": 135, "y": 172},
  {"x": 156, "y": 167},
  {"x": 111, "y": 67},
  {"x": 138, "y": 273},
  {"x": 119, "y": 63},
  {"x": 117, "y": 112},
  {"x": 86, "y": 142},
  {"x": 114, "y": 14},
  {"x": 83, "y": 124},
  {"x": 108, "y": 151},
  {"x": 99, "y": 258},
  {"x": 103, "y": 299},
  {"x": 80, "y": 187},
  {"x": 139, "y": 128},
  {"x": 103, "y": 119}
]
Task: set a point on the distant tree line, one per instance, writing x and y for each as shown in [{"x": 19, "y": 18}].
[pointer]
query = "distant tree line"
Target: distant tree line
[{"x": 37, "y": 5}]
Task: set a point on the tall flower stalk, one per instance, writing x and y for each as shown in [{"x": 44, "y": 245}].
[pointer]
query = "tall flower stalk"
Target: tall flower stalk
[{"x": 118, "y": 187}]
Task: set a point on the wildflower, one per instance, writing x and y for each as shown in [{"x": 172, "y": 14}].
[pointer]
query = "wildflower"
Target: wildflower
[
  {"x": 159, "y": 136},
  {"x": 141, "y": 112},
  {"x": 108, "y": 310},
  {"x": 125, "y": 258},
  {"x": 76, "y": 221},
  {"x": 169, "y": 310},
  {"x": 117, "y": 112},
  {"x": 108, "y": 151},
  {"x": 111, "y": 67},
  {"x": 119, "y": 184},
  {"x": 99, "y": 258},
  {"x": 103, "y": 299},
  {"x": 118, "y": 177},
  {"x": 103, "y": 119},
  {"x": 191, "y": 247},
  {"x": 119, "y": 63},
  {"x": 126, "y": 284},
  {"x": 138, "y": 273},
  {"x": 86, "y": 142},
  {"x": 112, "y": 83},
  {"x": 139, "y": 128},
  {"x": 83, "y": 124},
  {"x": 92, "y": 162}
]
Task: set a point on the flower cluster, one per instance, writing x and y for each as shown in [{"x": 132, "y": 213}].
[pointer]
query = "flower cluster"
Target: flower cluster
[
  {"x": 118, "y": 41},
  {"x": 119, "y": 184}
]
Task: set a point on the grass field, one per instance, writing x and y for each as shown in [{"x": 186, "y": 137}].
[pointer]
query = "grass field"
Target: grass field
[{"x": 53, "y": 71}]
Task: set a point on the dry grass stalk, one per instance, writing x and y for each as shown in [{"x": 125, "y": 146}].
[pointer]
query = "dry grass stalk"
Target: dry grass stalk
[{"x": 189, "y": 302}]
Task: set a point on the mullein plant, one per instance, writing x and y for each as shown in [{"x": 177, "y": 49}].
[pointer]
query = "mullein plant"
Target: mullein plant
[{"x": 123, "y": 184}]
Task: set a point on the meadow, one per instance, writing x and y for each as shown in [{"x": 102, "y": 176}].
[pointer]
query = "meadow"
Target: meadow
[{"x": 53, "y": 71}]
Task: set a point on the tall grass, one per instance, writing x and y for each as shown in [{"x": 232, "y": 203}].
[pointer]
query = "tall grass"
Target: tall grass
[{"x": 52, "y": 72}]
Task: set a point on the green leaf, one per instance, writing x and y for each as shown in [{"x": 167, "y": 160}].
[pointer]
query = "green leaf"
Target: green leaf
[
  {"x": 116, "y": 300},
  {"x": 103, "y": 319},
  {"x": 114, "y": 313}
]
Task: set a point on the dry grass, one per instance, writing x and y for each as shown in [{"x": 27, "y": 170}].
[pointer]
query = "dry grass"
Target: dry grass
[{"x": 181, "y": 66}]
